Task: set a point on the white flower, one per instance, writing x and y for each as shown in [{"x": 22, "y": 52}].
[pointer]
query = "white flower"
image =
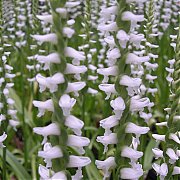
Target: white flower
[
  {"x": 14, "y": 123},
  {"x": 131, "y": 173},
  {"x": 44, "y": 105},
  {"x": 51, "y": 129},
  {"x": 161, "y": 170},
  {"x": 138, "y": 104},
  {"x": 78, "y": 161},
  {"x": 108, "y": 89},
  {"x": 72, "y": 4},
  {"x": 76, "y": 55},
  {"x": 110, "y": 71},
  {"x": 44, "y": 172},
  {"x": 78, "y": 142},
  {"x": 2, "y": 138},
  {"x": 108, "y": 27},
  {"x": 158, "y": 153},
  {"x": 62, "y": 12},
  {"x": 107, "y": 12},
  {"x": 59, "y": 176},
  {"x": 92, "y": 91},
  {"x": 68, "y": 32},
  {"x": 132, "y": 84},
  {"x": 137, "y": 130},
  {"x": 113, "y": 54},
  {"x": 172, "y": 155},
  {"x": 108, "y": 123},
  {"x": 136, "y": 39},
  {"x": 151, "y": 78},
  {"x": 118, "y": 106},
  {"x": 174, "y": 137},
  {"x": 145, "y": 116},
  {"x": 46, "y": 60},
  {"x": 75, "y": 87},
  {"x": 50, "y": 82},
  {"x": 106, "y": 165},
  {"x": 75, "y": 124},
  {"x": 131, "y": 153},
  {"x": 123, "y": 38},
  {"x": 50, "y": 153},
  {"x": 176, "y": 170},
  {"x": 109, "y": 139},
  {"x": 66, "y": 103},
  {"x": 134, "y": 59},
  {"x": 52, "y": 38},
  {"x": 159, "y": 137},
  {"x": 47, "y": 18},
  {"x": 129, "y": 16},
  {"x": 77, "y": 70}
]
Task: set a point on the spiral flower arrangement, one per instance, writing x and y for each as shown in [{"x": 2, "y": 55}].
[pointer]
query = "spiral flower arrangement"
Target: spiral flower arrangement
[{"x": 89, "y": 89}]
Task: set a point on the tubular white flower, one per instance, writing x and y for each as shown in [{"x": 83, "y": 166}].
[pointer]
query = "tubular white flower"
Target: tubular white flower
[
  {"x": 108, "y": 27},
  {"x": 66, "y": 103},
  {"x": 68, "y": 32},
  {"x": 106, "y": 165},
  {"x": 131, "y": 153},
  {"x": 50, "y": 153},
  {"x": 52, "y": 38},
  {"x": 136, "y": 39},
  {"x": 72, "y": 53},
  {"x": 75, "y": 124},
  {"x": 158, "y": 153},
  {"x": 105, "y": 140},
  {"x": 135, "y": 129},
  {"x": 78, "y": 142},
  {"x": 132, "y": 84},
  {"x": 161, "y": 170},
  {"x": 59, "y": 175},
  {"x": 123, "y": 38},
  {"x": 2, "y": 138},
  {"x": 118, "y": 106},
  {"x": 78, "y": 161},
  {"x": 72, "y": 4},
  {"x": 138, "y": 104},
  {"x": 158, "y": 137},
  {"x": 47, "y": 18},
  {"x": 75, "y": 87},
  {"x": 43, "y": 106},
  {"x": 110, "y": 71},
  {"x": 131, "y": 173},
  {"x": 44, "y": 172},
  {"x": 108, "y": 89},
  {"x": 51, "y": 129},
  {"x": 50, "y": 82},
  {"x": 174, "y": 137},
  {"x": 129, "y": 16},
  {"x": 172, "y": 155},
  {"x": 108, "y": 123},
  {"x": 176, "y": 170},
  {"x": 134, "y": 59},
  {"x": 46, "y": 60}
]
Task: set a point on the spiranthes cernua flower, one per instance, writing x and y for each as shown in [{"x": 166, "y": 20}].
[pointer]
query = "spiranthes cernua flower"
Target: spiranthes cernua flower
[
  {"x": 106, "y": 165},
  {"x": 157, "y": 153},
  {"x": 2, "y": 138},
  {"x": 134, "y": 59},
  {"x": 43, "y": 106},
  {"x": 52, "y": 38},
  {"x": 108, "y": 123},
  {"x": 46, "y": 60},
  {"x": 78, "y": 142},
  {"x": 161, "y": 170},
  {"x": 78, "y": 161},
  {"x": 51, "y": 129},
  {"x": 172, "y": 155},
  {"x": 123, "y": 38},
  {"x": 158, "y": 137},
  {"x": 66, "y": 103},
  {"x": 75, "y": 87},
  {"x": 131, "y": 153},
  {"x": 75, "y": 124}
]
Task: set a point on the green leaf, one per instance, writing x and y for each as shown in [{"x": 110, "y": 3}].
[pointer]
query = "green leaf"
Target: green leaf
[
  {"x": 148, "y": 156},
  {"x": 17, "y": 168}
]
